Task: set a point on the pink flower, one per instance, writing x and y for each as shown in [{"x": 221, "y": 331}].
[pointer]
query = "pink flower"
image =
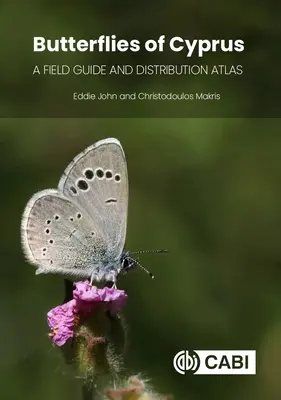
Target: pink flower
[
  {"x": 86, "y": 298},
  {"x": 61, "y": 320}
]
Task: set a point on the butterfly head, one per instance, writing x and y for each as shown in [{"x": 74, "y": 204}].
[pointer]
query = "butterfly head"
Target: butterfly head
[{"x": 128, "y": 262}]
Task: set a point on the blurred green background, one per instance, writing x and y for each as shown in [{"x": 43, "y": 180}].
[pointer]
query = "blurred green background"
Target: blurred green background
[
  {"x": 209, "y": 191},
  {"x": 256, "y": 93},
  {"x": 206, "y": 189}
]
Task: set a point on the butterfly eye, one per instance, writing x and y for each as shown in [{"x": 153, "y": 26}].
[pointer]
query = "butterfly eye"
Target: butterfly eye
[
  {"x": 125, "y": 263},
  {"x": 117, "y": 177}
]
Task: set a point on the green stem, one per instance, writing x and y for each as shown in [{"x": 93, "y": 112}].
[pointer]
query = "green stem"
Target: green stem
[{"x": 87, "y": 391}]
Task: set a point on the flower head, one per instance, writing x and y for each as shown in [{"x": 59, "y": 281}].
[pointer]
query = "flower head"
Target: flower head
[
  {"x": 86, "y": 299},
  {"x": 61, "y": 321},
  {"x": 88, "y": 296}
]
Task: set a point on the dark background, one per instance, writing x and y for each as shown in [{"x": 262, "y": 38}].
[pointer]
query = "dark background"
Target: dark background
[
  {"x": 206, "y": 189},
  {"x": 256, "y": 93}
]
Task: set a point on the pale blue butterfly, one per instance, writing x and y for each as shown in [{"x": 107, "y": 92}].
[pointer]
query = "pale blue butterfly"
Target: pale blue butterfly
[{"x": 79, "y": 229}]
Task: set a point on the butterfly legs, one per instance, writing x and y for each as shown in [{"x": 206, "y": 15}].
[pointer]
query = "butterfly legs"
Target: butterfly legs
[
  {"x": 94, "y": 277},
  {"x": 110, "y": 277}
]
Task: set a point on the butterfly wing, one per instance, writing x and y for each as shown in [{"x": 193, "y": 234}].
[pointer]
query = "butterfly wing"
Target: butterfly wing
[
  {"x": 97, "y": 181},
  {"x": 58, "y": 237}
]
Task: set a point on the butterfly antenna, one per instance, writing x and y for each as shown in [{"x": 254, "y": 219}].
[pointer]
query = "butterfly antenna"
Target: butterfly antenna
[
  {"x": 142, "y": 267},
  {"x": 149, "y": 251}
]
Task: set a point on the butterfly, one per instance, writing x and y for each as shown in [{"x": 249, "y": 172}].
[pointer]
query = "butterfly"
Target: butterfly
[{"x": 79, "y": 229}]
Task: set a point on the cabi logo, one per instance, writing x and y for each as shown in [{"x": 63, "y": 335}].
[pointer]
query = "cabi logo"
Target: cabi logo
[
  {"x": 216, "y": 362},
  {"x": 186, "y": 361}
]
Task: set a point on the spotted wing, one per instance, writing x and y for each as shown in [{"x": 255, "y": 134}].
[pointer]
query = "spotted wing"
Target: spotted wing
[
  {"x": 97, "y": 181},
  {"x": 59, "y": 237}
]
